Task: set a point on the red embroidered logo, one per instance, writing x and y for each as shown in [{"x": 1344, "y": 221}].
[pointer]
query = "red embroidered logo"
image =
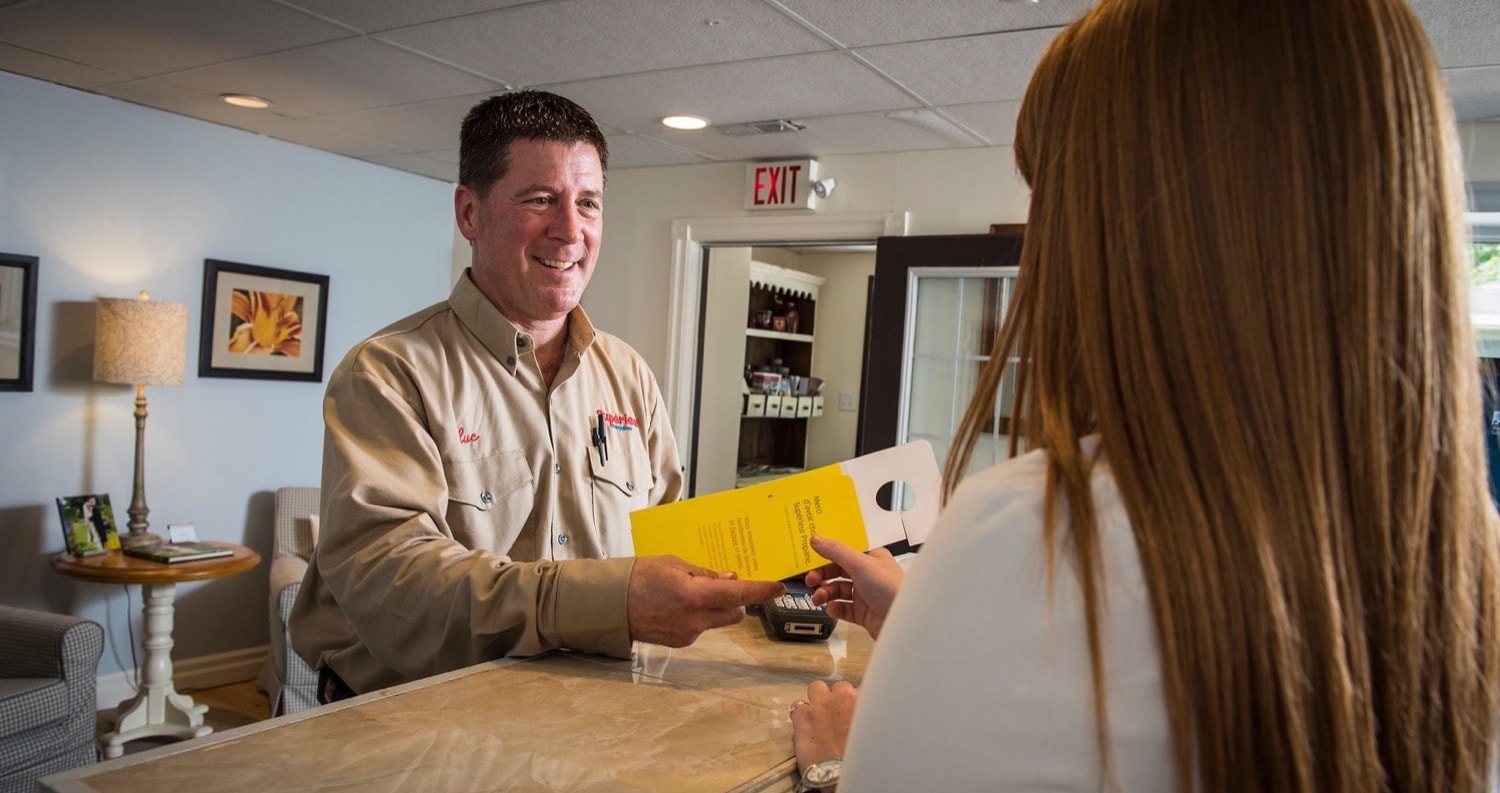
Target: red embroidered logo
[
  {"x": 619, "y": 422},
  {"x": 464, "y": 436}
]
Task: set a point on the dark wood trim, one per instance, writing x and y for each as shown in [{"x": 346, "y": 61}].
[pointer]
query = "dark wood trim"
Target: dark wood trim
[{"x": 879, "y": 402}]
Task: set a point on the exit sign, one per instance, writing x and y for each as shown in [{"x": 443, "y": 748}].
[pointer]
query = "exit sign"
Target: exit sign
[{"x": 781, "y": 185}]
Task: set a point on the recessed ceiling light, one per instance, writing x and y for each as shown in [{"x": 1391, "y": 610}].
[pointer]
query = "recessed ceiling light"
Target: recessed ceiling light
[
  {"x": 246, "y": 100},
  {"x": 685, "y": 122}
]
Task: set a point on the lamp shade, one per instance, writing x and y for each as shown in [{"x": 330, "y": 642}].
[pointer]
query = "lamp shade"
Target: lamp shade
[{"x": 140, "y": 342}]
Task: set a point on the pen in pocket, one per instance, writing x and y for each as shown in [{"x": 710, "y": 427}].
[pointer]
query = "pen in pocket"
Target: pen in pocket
[{"x": 602, "y": 430}]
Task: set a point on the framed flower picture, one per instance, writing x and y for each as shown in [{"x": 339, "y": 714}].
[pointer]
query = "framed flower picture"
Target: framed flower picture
[{"x": 262, "y": 323}]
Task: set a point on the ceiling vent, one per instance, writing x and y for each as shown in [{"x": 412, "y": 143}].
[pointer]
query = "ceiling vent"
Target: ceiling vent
[{"x": 762, "y": 127}]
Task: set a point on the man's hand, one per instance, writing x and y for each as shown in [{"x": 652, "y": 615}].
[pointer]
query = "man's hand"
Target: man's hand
[{"x": 671, "y": 602}]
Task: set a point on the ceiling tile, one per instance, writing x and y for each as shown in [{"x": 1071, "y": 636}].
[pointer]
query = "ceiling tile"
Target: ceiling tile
[
  {"x": 416, "y": 127},
  {"x": 555, "y": 42},
  {"x": 1473, "y": 92},
  {"x": 155, "y": 93},
  {"x": 935, "y": 74},
  {"x": 337, "y": 76},
  {"x": 147, "y": 37},
  {"x": 637, "y": 151},
  {"x": 788, "y": 87},
  {"x": 54, "y": 70},
  {"x": 1462, "y": 33},
  {"x": 860, "y": 23},
  {"x": 914, "y": 129},
  {"x": 376, "y": 15},
  {"x": 964, "y": 70},
  {"x": 309, "y": 132},
  {"x": 994, "y": 121},
  {"x": 417, "y": 164}
]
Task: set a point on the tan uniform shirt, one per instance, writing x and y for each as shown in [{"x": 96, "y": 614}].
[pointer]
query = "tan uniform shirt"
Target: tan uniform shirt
[{"x": 455, "y": 486}]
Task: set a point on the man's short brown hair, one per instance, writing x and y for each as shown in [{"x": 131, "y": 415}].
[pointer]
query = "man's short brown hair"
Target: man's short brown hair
[{"x": 491, "y": 125}]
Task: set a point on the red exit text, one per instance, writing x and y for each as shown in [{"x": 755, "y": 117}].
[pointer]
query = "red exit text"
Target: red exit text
[{"x": 776, "y": 185}]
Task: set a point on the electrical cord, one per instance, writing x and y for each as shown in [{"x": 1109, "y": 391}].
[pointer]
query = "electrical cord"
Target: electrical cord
[{"x": 135, "y": 664}]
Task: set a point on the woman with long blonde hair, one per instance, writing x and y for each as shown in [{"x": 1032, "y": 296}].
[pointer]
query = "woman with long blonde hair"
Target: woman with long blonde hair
[{"x": 1249, "y": 544}]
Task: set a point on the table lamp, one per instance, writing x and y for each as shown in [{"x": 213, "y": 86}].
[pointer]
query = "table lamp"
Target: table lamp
[{"x": 140, "y": 343}]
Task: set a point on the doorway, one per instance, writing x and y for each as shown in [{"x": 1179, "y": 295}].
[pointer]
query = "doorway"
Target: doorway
[
  {"x": 691, "y": 239},
  {"x": 754, "y": 428}
]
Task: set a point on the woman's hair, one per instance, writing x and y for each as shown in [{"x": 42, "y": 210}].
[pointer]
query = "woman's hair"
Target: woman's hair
[{"x": 1244, "y": 269}]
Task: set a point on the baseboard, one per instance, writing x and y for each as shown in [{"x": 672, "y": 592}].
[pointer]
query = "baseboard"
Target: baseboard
[{"x": 190, "y": 673}]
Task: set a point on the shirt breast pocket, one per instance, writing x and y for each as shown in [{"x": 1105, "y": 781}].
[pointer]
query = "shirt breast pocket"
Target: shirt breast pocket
[
  {"x": 621, "y": 485},
  {"x": 489, "y": 499}
]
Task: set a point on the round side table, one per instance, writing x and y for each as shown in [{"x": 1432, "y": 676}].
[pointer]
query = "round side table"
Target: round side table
[{"x": 157, "y": 710}]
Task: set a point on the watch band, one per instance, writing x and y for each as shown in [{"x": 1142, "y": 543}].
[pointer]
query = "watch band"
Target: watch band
[{"x": 820, "y": 776}]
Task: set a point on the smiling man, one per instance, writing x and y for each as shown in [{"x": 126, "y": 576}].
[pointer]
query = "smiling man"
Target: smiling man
[{"x": 481, "y": 457}]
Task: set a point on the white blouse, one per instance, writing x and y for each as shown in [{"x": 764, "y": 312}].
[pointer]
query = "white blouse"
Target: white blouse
[{"x": 980, "y": 680}]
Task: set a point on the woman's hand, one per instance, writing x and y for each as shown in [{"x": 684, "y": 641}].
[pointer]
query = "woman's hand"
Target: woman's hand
[
  {"x": 857, "y": 587},
  {"x": 820, "y": 724}
]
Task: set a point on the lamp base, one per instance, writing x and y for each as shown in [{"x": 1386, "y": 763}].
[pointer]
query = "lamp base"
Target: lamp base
[{"x": 140, "y": 539}]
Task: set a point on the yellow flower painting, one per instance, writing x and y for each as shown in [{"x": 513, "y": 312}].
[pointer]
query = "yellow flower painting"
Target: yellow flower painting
[{"x": 265, "y": 323}]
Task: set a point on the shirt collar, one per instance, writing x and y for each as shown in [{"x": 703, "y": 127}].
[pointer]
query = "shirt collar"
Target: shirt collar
[{"x": 504, "y": 340}]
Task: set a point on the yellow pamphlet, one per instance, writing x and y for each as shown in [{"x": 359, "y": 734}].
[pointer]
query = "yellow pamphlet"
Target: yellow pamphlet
[{"x": 762, "y": 532}]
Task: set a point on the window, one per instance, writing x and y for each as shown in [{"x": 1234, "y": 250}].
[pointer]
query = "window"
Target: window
[{"x": 1484, "y": 284}]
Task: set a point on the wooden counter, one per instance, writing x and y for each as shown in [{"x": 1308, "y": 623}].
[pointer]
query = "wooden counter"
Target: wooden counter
[{"x": 711, "y": 717}]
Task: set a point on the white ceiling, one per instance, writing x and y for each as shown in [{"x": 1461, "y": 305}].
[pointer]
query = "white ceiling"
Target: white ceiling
[{"x": 388, "y": 81}]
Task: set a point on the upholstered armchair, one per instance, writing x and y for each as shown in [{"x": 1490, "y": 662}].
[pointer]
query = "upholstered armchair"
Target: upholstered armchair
[
  {"x": 48, "y": 669},
  {"x": 289, "y": 682}
]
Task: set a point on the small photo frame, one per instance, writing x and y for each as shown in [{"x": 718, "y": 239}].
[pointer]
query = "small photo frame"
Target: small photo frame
[
  {"x": 17, "y": 321},
  {"x": 88, "y": 524},
  {"x": 261, "y": 323}
]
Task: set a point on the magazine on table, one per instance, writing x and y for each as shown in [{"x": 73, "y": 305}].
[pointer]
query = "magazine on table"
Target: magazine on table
[{"x": 173, "y": 552}]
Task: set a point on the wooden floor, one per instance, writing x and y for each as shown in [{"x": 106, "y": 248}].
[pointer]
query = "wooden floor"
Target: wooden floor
[{"x": 233, "y": 705}]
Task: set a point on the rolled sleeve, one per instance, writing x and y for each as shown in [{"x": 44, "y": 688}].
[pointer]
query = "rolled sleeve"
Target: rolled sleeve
[{"x": 588, "y": 610}]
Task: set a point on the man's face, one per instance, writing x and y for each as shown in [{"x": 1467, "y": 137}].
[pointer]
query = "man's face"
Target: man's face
[{"x": 536, "y": 232}]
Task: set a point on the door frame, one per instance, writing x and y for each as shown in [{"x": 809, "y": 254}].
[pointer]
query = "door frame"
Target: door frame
[
  {"x": 691, "y": 235},
  {"x": 880, "y": 405}
]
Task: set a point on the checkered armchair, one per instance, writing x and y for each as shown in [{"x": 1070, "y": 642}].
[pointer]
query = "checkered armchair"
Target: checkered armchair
[
  {"x": 48, "y": 669},
  {"x": 289, "y": 682}
]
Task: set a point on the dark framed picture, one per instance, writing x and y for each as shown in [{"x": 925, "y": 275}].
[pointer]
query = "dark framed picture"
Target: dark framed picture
[
  {"x": 88, "y": 524},
  {"x": 262, "y": 323},
  {"x": 17, "y": 321}
]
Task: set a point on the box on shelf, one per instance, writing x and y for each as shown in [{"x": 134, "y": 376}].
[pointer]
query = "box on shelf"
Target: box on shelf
[
  {"x": 789, "y": 407},
  {"x": 804, "y": 407},
  {"x": 765, "y": 382},
  {"x": 755, "y": 405},
  {"x": 817, "y": 406},
  {"x": 773, "y": 405}
]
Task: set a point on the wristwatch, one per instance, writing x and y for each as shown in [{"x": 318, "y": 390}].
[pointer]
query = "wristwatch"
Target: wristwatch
[{"x": 821, "y": 775}]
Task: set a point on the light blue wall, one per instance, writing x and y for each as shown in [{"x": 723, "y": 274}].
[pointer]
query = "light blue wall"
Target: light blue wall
[{"x": 115, "y": 198}]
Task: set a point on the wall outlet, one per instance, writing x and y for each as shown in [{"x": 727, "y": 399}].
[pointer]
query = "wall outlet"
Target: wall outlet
[{"x": 848, "y": 401}]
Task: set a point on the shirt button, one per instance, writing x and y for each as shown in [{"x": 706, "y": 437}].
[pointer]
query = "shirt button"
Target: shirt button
[
  {"x": 562, "y": 539},
  {"x": 510, "y": 360},
  {"x": 557, "y": 468},
  {"x": 486, "y": 497},
  {"x": 630, "y": 486},
  {"x": 520, "y": 341}
]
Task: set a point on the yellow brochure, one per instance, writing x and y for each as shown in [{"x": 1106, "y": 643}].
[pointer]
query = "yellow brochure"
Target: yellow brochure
[{"x": 762, "y": 532}]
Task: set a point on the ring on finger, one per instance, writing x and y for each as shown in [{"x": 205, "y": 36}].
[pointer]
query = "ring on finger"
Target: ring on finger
[{"x": 796, "y": 704}]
